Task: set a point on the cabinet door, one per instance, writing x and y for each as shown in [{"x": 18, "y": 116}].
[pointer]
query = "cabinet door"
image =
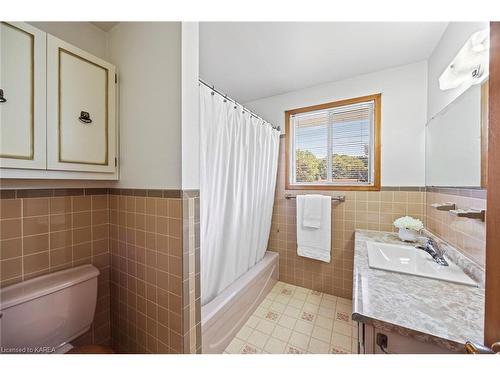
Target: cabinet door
[
  {"x": 80, "y": 110},
  {"x": 22, "y": 105}
]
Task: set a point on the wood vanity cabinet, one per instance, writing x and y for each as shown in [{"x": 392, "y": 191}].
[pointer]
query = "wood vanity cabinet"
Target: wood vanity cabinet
[
  {"x": 59, "y": 117},
  {"x": 396, "y": 343}
]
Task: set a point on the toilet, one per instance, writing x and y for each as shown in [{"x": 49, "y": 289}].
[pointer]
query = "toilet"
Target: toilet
[{"x": 46, "y": 313}]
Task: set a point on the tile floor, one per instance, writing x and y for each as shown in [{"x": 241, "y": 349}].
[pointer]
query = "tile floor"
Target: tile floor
[{"x": 295, "y": 320}]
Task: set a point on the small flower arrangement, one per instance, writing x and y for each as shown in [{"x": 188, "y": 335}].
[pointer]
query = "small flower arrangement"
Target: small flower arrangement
[
  {"x": 408, "y": 222},
  {"x": 408, "y": 228}
]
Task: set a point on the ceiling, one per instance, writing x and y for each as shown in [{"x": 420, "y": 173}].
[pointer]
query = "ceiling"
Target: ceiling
[
  {"x": 251, "y": 60},
  {"x": 105, "y": 26}
]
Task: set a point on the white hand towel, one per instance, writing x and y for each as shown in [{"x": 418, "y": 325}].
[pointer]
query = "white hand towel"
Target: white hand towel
[
  {"x": 312, "y": 210},
  {"x": 315, "y": 243}
]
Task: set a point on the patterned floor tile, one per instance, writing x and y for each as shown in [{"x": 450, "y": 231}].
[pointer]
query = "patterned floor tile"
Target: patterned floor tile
[
  {"x": 318, "y": 347},
  {"x": 266, "y": 303},
  {"x": 303, "y": 327},
  {"x": 249, "y": 349},
  {"x": 299, "y": 340},
  {"x": 292, "y": 312},
  {"x": 265, "y": 326},
  {"x": 307, "y": 316},
  {"x": 342, "y": 317},
  {"x": 272, "y": 316},
  {"x": 278, "y": 307},
  {"x": 258, "y": 339},
  {"x": 321, "y": 334},
  {"x": 341, "y": 341},
  {"x": 311, "y": 307},
  {"x": 296, "y": 320},
  {"x": 326, "y": 312},
  {"x": 287, "y": 321},
  {"x": 275, "y": 346},
  {"x": 298, "y": 304},
  {"x": 281, "y": 333},
  {"x": 337, "y": 350},
  {"x": 252, "y": 321},
  {"x": 324, "y": 322},
  {"x": 293, "y": 350},
  {"x": 244, "y": 332},
  {"x": 315, "y": 300},
  {"x": 235, "y": 346},
  {"x": 284, "y": 299},
  {"x": 342, "y": 328}
]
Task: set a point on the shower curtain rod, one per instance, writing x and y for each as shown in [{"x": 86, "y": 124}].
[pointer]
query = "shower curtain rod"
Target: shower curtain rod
[{"x": 236, "y": 103}]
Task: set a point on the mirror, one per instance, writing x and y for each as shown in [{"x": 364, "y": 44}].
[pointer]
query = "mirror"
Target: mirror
[{"x": 456, "y": 141}]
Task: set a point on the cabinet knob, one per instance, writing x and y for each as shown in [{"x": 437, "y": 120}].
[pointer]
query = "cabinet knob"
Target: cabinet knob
[
  {"x": 85, "y": 117},
  {"x": 2, "y": 99}
]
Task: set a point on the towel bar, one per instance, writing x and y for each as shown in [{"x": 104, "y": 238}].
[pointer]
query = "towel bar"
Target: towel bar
[{"x": 340, "y": 198}]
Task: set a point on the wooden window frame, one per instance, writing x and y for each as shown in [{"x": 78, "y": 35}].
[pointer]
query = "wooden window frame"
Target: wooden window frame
[{"x": 377, "y": 99}]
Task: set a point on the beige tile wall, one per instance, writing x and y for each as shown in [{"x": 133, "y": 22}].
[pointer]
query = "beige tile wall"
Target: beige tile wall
[
  {"x": 148, "y": 297},
  {"x": 147, "y": 274},
  {"x": 50, "y": 233},
  {"x": 191, "y": 265},
  {"x": 361, "y": 210},
  {"x": 467, "y": 235}
]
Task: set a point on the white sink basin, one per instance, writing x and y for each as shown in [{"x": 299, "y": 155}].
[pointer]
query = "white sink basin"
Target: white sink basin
[{"x": 413, "y": 261}]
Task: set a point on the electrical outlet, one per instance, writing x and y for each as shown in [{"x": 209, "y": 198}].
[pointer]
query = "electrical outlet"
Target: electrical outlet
[{"x": 382, "y": 342}]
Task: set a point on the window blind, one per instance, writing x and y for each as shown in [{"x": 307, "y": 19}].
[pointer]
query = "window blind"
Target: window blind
[{"x": 334, "y": 145}]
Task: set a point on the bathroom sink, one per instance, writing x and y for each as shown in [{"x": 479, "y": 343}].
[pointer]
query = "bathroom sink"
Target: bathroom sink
[{"x": 410, "y": 260}]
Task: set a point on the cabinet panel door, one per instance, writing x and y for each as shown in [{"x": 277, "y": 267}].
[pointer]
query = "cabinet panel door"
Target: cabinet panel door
[
  {"x": 23, "y": 107},
  {"x": 81, "y": 110}
]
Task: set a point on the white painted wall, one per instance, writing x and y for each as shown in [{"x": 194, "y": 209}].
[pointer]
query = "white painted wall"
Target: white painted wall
[
  {"x": 148, "y": 59},
  {"x": 190, "y": 106},
  {"x": 81, "y": 34},
  {"x": 454, "y": 37},
  {"x": 404, "y": 108}
]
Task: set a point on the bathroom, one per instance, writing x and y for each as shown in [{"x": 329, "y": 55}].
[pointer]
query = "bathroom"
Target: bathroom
[{"x": 222, "y": 188}]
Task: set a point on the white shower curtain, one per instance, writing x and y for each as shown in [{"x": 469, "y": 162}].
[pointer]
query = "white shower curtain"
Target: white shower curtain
[{"x": 239, "y": 159}]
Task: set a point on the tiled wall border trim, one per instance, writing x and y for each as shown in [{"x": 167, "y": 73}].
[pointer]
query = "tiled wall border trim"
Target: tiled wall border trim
[
  {"x": 402, "y": 188},
  {"x": 48, "y": 193},
  {"x": 153, "y": 193},
  {"x": 383, "y": 188},
  {"x": 460, "y": 191}
]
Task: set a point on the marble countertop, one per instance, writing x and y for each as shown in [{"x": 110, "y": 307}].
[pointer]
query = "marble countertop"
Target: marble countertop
[{"x": 434, "y": 311}]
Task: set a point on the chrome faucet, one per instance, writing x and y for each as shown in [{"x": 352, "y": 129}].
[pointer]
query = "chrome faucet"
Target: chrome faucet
[{"x": 431, "y": 247}]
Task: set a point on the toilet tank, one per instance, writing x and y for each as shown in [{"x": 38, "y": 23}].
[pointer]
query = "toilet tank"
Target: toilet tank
[{"x": 45, "y": 313}]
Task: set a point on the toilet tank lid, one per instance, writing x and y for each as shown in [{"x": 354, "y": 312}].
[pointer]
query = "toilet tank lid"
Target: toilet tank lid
[{"x": 40, "y": 286}]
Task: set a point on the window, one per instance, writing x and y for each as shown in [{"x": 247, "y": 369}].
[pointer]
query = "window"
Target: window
[{"x": 334, "y": 146}]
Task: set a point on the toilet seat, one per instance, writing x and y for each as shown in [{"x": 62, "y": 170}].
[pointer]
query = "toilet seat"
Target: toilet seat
[{"x": 91, "y": 349}]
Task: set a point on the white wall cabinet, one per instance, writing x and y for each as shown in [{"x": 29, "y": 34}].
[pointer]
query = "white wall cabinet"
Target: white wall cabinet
[
  {"x": 80, "y": 109},
  {"x": 22, "y": 103},
  {"x": 59, "y": 117}
]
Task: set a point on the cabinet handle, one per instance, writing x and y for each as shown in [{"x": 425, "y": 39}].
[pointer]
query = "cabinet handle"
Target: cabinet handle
[
  {"x": 2, "y": 99},
  {"x": 85, "y": 117}
]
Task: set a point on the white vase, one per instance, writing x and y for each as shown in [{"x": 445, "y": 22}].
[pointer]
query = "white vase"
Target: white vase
[{"x": 408, "y": 235}]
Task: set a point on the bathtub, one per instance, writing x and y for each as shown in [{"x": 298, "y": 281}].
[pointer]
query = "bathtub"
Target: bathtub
[{"x": 222, "y": 318}]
